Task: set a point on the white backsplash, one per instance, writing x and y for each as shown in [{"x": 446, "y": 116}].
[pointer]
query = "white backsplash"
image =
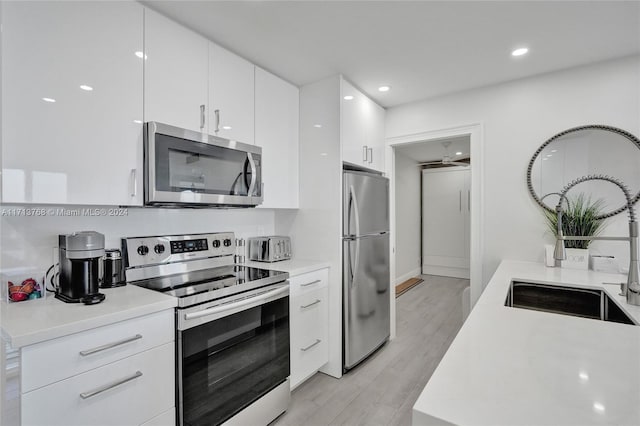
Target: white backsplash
[{"x": 29, "y": 241}]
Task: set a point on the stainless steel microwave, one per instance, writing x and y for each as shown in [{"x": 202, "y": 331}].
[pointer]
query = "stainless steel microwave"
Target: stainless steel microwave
[{"x": 187, "y": 168}]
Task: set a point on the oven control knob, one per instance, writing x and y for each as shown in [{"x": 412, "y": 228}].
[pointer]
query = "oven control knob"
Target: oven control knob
[
  {"x": 143, "y": 250},
  {"x": 216, "y": 243},
  {"x": 227, "y": 242},
  {"x": 159, "y": 248}
]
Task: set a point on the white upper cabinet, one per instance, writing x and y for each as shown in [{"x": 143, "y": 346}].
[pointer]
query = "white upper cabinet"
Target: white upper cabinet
[
  {"x": 362, "y": 123},
  {"x": 176, "y": 74},
  {"x": 231, "y": 95},
  {"x": 72, "y": 104},
  {"x": 277, "y": 106}
]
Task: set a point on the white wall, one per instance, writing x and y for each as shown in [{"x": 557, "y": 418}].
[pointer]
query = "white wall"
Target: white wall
[
  {"x": 407, "y": 192},
  {"x": 517, "y": 117},
  {"x": 28, "y": 241},
  {"x": 316, "y": 228}
]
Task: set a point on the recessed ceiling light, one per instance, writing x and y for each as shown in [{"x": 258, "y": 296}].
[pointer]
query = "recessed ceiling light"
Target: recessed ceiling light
[
  {"x": 520, "y": 51},
  {"x": 554, "y": 150},
  {"x": 598, "y": 407},
  {"x": 141, "y": 55},
  {"x": 545, "y": 159},
  {"x": 348, "y": 98},
  {"x": 583, "y": 376},
  {"x": 384, "y": 88},
  {"x": 48, "y": 100},
  {"x": 85, "y": 87},
  {"x": 458, "y": 153},
  {"x": 324, "y": 154},
  {"x": 227, "y": 127},
  {"x": 317, "y": 125},
  {"x": 137, "y": 121},
  {"x": 549, "y": 155}
]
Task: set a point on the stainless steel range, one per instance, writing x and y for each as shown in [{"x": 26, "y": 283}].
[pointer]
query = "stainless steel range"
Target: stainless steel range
[{"x": 232, "y": 327}]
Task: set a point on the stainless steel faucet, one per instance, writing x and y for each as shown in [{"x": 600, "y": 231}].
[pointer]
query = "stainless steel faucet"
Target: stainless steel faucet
[{"x": 632, "y": 287}]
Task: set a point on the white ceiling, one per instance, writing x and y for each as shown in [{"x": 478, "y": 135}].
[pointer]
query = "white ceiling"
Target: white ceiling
[
  {"x": 434, "y": 150},
  {"x": 421, "y": 48}
]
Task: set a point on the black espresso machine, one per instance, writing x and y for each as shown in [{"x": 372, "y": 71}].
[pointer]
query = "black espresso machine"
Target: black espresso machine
[{"x": 80, "y": 256}]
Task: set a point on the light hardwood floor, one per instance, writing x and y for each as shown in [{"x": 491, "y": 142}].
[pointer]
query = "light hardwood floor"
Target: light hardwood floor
[{"x": 382, "y": 390}]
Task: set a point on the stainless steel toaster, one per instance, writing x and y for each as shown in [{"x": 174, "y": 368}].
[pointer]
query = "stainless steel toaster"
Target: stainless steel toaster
[{"x": 269, "y": 249}]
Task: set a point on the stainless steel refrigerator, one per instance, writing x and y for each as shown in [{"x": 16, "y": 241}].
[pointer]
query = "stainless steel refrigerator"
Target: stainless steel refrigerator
[{"x": 365, "y": 265}]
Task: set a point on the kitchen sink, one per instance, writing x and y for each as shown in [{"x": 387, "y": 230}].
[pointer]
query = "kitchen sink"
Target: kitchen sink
[{"x": 577, "y": 302}]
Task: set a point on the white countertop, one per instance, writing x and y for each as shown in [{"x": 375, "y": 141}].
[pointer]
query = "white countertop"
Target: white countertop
[
  {"x": 293, "y": 266},
  {"x": 510, "y": 366},
  {"x": 26, "y": 323}
]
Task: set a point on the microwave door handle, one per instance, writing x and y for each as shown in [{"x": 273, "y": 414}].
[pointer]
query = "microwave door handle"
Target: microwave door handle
[{"x": 252, "y": 185}]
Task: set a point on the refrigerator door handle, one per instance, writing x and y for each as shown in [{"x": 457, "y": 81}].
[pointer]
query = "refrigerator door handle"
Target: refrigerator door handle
[
  {"x": 356, "y": 216},
  {"x": 352, "y": 197}
]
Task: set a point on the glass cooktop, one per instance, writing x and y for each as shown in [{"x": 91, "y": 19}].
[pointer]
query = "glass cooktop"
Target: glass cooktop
[{"x": 196, "y": 287}]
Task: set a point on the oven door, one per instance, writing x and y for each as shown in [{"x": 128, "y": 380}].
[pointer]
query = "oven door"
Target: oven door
[
  {"x": 231, "y": 354},
  {"x": 186, "y": 167}
]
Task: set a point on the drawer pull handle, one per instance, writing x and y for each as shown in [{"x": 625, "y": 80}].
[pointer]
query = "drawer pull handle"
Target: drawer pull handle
[
  {"x": 86, "y": 395},
  {"x": 311, "y": 283},
  {"x": 110, "y": 345},
  {"x": 311, "y": 345},
  {"x": 310, "y": 304}
]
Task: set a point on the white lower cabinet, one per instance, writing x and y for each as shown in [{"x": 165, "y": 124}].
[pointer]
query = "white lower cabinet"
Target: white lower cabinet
[
  {"x": 119, "y": 374},
  {"x": 309, "y": 315},
  {"x": 127, "y": 392}
]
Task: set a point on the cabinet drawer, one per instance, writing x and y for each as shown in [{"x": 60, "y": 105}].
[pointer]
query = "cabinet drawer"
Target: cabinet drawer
[
  {"x": 309, "y": 334},
  {"x": 309, "y": 314},
  {"x": 127, "y": 392},
  {"x": 67, "y": 356},
  {"x": 307, "y": 358},
  {"x": 309, "y": 281}
]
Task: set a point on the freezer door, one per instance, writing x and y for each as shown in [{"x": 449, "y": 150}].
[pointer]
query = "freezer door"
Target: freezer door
[
  {"x": 366, "y": 286},
  {"x": 366, "y": 204}
]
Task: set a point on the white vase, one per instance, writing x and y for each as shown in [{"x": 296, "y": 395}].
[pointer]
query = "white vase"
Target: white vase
[{"x": 576, "y": 259}]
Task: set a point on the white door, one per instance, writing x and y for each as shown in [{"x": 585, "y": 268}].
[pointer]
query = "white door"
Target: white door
[
  {"x": 277, "y": 106},
  {"x": 445, "y": 221},
  {"x": 231, "y": 95},
  {"x": 175, "y": 75},
  {"x": 72, "y": 102}
]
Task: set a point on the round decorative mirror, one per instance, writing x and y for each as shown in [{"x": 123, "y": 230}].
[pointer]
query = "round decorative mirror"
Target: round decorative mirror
[{"x": 582, "y": 151}]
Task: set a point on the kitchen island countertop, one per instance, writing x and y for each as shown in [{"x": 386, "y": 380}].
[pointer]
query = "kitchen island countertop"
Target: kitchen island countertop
[{"x": 510, "y": 366}]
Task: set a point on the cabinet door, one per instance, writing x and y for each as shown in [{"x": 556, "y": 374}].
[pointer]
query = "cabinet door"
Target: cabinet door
[
  {"x": 445, "y": 220},
  {"x": 375, "y": 130},
  {"x": 72, "y": 102},
  {"x": 277, "y": 106},
  {"x": 362, "y": 129},
  {"x": 353, "y": 133},
  {"x": 231, "y": 95},
  {"x": 175, "y": 74}
]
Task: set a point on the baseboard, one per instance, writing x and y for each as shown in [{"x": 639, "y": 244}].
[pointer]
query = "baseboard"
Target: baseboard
[
  {"x": 446, "y": 271},
  {"x": 411, "y": 274}
]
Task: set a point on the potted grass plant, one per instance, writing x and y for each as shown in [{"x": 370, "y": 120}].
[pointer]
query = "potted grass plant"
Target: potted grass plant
[{"x": 580, "y": 218}]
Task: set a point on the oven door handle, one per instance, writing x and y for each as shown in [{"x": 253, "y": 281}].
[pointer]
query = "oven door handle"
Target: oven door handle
[{"x": 235, "y": 305}]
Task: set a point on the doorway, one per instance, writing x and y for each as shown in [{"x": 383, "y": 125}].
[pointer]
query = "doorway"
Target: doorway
[{"x": 399, "y": 160}]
